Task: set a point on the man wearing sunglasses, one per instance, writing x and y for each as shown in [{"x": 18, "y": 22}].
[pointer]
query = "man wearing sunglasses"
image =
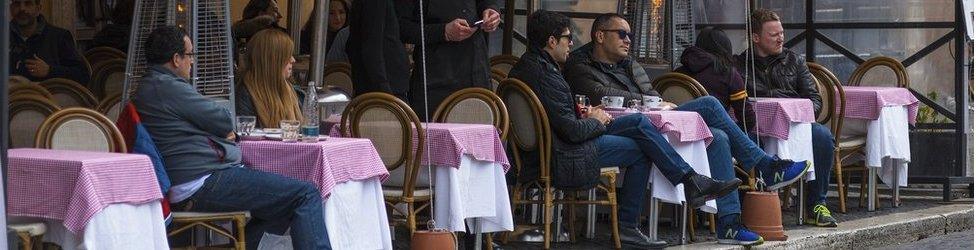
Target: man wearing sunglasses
[{"x": 604, "y": 68}]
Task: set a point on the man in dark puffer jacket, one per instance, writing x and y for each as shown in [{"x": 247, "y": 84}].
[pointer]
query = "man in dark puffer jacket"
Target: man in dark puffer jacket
[
  {"x": 780, "y": 72},
  {"x": 582, "y": 143}
]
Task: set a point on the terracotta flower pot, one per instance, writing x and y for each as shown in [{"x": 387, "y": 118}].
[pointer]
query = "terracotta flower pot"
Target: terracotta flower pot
[{"x": 761, "y": 213}]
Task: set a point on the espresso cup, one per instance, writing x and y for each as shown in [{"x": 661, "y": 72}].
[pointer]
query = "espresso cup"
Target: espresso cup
[
  {"x": 613, "y": 101},
  {"x": 652, "y": 101}
]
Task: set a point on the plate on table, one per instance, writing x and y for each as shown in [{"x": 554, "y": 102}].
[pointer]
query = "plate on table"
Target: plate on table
[
  {"x": 277, "y": 137},
  {"x": 254, "y": 136},
  {"x": 272, "y": 131},
  {"x": 614, "y": 109}
]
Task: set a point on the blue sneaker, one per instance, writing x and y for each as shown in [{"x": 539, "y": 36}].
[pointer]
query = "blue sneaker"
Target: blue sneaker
[
  {"x": 781, "y": 173},
  {"x": 739, "y": 235}
]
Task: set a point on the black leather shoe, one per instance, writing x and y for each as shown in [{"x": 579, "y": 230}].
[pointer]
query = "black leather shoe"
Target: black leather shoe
[
  {"x": 700, "y": 188},
  {"x": 633, "y": 238}
]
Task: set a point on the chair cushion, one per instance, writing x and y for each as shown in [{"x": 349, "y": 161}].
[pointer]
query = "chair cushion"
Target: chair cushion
[
  {"x": 191, "y": 215},
  {"x": 397, "y": 192},
  {"x": 33, "y": 229},
  {"x": 852, "y": 141}
]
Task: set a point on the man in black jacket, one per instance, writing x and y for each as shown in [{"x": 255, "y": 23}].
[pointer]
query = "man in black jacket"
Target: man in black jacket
[
  {"x": 456, "y": 47},
  {"x": 379, "y": 62},
  {"x": 39, "y": 50},
  {"x": 603, "y": 67},
  {"x": 582, "y": 142},
  {"x": 774, "y": 71}
]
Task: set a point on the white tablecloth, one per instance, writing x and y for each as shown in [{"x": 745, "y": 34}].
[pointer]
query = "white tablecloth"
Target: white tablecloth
[
  {"x": 355, "y": 217},
  {"x": 477, "y": 190},
  {"x": 118, "y": 226},
  {"x": 693, "y": 153},
  {"x": 887, "y": 141},
  {"x": 799, "y": 146}
]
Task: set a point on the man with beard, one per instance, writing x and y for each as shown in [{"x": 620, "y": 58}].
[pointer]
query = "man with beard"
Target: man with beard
[{"x": 39, "y": 50}]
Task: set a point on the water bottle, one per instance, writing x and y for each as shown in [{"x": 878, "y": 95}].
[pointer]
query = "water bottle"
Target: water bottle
[{"x": 310, "y": 127}]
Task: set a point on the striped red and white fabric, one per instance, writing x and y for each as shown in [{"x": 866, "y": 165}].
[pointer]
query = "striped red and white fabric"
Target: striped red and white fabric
[
  {"x": 774, "y": 115},
  {"x": 325, "y": 164},
  {"x": 450, "y": 141},
  {"x": 866, "y": 102},
  {"x": 72, "y": 186},
  {"x": 685, "y": 125}
]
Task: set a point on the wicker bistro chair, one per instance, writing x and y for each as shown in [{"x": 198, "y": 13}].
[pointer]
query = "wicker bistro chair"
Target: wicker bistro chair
[
  {"x": 183, "y": 221},
  {"x": 18, "y": 79},
  {"x": 678, "y": 88},
  {"x": 29, "y": 89},
  {"x": 80, "y": 129},
  {"x": 503, "y": 64},
  {"x": 832, "y": 115},
  {"x": 901, "y": 74},
  {"x": 97, "y": 55},
  {"x": 68, "y": 93},
  {"x": 339, "y": 74},
  {"x": 474, "y": 106},
  {"x": 111, "y": 106},
  {"x": 27, "y": 113},
  {"x": 391, "y": 125},
  {"x": 532, "y": 133},
  {"x": 108, "y": 78}
]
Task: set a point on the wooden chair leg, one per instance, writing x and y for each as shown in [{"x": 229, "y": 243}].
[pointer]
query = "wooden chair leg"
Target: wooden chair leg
[
  {"x": 691, "y": 224},
  {"x": 240, "y": 222},
  {"x": 547, "y": 211},
  {"x": 411, "y": 219},
  {"x": 614, "y": 224},
  {"x": 863, "y": 189},
  {"x": 711, "y": 222},
  {"x": 841, "y": 186},
  {"x": 572, "y": 216},
  {"x": 25, "y": 239}
]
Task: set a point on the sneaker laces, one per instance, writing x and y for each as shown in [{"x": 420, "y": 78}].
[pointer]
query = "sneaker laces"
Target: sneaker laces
[{"x": 821, "y": 209}]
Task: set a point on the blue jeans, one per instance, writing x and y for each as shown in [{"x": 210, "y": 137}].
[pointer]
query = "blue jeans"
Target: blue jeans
[
  {"x": 275, "y": 202},
  {"x": 823, "y": 163},
  {"x": 727, "y": 141},
  {"x": 632, "y": 142}
]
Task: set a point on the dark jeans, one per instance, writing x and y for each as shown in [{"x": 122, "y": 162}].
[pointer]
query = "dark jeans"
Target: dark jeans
[
  {"x": 728, "y": 141},
  {"x": 633, "y": 143},
  {"x": 275, "y": 202}
]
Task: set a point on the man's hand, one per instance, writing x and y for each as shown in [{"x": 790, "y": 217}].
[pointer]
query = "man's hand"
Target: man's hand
[
  {"x": 492, "y": 19},
  {"x": 37, "y": 67},
  {"x": 231, "y": 136},
  {"x": 457, "y": 30},
  {"x": 599, "y": 114}
]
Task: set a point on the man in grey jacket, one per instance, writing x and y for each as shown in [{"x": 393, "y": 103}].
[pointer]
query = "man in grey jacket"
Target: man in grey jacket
[{"x": 195, "y": 137}]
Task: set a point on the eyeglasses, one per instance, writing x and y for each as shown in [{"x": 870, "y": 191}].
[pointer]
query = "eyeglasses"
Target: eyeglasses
[
  {"x": 622, "y": 34},
  {"x": 569, "y": 36},
  {"x": 190, "y": 54}
]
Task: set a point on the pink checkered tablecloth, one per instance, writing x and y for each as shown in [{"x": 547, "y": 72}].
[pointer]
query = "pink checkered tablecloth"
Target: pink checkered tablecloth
[
  {"x": 72, "y": 186},
  {"x": 866, "y": 102},
  {"x": 685, "y": 125},
  {"x": 450, "y": 141},
  {"x": 324, "y": 164},
  {"x": 774, "y": 115}
]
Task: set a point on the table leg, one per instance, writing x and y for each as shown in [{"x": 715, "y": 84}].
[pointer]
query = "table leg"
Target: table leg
[
  {"x": 477, "y": 236},
  {"x": 652, "y": 219},
  {"x": 684, "y": 223},
  {"x": 895, "y": 197},
  {"x": 872, "y": 192},
  {"x": 801, "y": 198},
  {"x": 591, "y": 215}
]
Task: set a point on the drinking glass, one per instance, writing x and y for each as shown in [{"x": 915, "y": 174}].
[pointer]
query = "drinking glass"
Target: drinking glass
[
  {"x": 289, "y": 130},
  {"x": 635, "y": 105},
  {"x": 245, "y": 125},
  {"x": 582, "y": 102}
]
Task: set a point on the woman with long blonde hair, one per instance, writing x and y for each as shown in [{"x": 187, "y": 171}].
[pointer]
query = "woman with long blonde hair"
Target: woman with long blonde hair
[{"x": 264, "y": 89}]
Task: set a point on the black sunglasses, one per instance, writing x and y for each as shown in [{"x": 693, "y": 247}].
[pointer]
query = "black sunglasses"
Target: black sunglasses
[
  {"x": 622, "y": 34},
  {"x": 569, "y": 36}
]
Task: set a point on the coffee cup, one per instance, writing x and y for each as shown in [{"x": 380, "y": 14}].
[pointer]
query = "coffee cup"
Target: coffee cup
[
  {"x": 613, "y": 101},
  {"x": 652, "y": 101}
]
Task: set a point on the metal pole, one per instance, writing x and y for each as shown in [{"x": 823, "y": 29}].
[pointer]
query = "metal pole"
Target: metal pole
[
  {"x": 591, "y": 215},
  {"x": 961, "y": 95},
  {"x": 294, "y": 21},
  {"x": 318, "y": 46},
  {"x": 4, "y": 122},
  {"x": 872, "y": 183},
  {"x": 509, "y": 33},
  {"x": 801, "y": 197}
]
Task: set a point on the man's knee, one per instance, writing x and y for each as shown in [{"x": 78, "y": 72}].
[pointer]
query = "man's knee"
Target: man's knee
[
  {"x": 307, "y": 191},
  {"x": 719, "y": 136},
  {"x": 709, "y": 100}
]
